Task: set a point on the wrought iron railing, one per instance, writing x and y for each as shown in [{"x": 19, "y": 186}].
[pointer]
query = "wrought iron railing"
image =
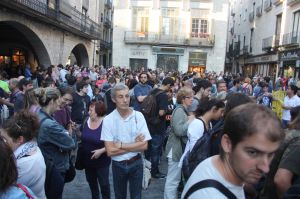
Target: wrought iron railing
[
  {"x": 66, "y": 15},
  {"x": 107, "y": 22},
  {"x": 105, "y": 45},
  {"x": 270, "y": 42},
  {"x": 157, "y": 38},
  {"x": 291, "y": 38}
]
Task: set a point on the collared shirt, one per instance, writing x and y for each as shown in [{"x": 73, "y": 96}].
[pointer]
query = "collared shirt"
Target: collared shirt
[
  {"x": 291, "y": 102},
  {"x": 117, "y": 129}
]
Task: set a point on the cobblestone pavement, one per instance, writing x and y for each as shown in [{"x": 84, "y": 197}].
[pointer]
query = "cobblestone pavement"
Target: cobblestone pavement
[{"x": 79, "y": 189}]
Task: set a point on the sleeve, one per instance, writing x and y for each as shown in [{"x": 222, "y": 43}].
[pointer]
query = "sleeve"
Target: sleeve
[
  {"x": 142, "y": 126},
  {"x": 59, "y": 136},
  {"x": 137, "y": 91},
  {"x": 19, "y": 104},
  {"x": 195, "y": 132},
  {"x": 291, "y": 161},
  {"x": 180, "y": 123},
  {"x": 106, "y": 134}
]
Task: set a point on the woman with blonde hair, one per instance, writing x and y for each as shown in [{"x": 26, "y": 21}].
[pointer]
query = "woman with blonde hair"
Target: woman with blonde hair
[
  {"x": 247, "y": 87},
  {"x": 54, "y": 141},
  {"x": 176, "y": 142},
  {"x": 31, "y": 101}
]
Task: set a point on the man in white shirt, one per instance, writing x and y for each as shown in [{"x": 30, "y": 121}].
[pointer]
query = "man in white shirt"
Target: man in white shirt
[
  {"x": 252, "y": 134},
  {"x": 125, "y": 134},
  {"x": 290, "y": 101}
]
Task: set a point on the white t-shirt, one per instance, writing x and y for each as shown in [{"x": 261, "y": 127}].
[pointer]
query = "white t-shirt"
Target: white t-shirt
[
  {"x": 206, "y": 170},
  {"x": 194, "y": 133},
  {"x": 32, "y": 173},
  {"x": 117, "y": 129},
  {"x": 292, "y": 102}
]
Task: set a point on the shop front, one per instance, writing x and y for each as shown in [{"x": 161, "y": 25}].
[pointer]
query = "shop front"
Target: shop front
[
  {"x": 265, "y": 65},
  {"x": 290, "y": 63},
  {"x": 13, "y": 61},
  {"x": 138, "y": 59},
  {"x": 167, "y": 58},
  {"x": 197, "y": 62}
]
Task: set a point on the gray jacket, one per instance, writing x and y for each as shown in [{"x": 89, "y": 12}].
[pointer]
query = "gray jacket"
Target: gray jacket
[{"x": 178, "y": 136}]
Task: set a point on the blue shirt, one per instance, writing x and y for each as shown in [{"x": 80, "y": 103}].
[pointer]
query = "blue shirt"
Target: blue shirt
[
  {"x": 16, "y": 193},
  {"x": 140, "y": 90}
]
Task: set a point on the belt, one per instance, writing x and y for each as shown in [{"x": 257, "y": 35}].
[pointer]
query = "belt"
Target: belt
[{"x": 131, "y": 160}]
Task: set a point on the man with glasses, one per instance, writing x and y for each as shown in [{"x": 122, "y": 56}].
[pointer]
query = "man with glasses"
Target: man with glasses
[{"x": 141, "y": 91}]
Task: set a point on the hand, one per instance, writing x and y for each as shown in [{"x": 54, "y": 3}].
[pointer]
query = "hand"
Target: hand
[
  {"x": 97, "y": 153},
  {"x": 118, "y": 144},
  {"x": 140, "y": 138}
]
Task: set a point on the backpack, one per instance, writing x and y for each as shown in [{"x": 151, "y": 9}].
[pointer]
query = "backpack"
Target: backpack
[
  {"x": 203, "y": 149},
  {"x": 149, "y": 107},
  {"x": 268, "y": 186},
  {"x": 200, "y": 152},
  {"x": 246, "y": 90},
  {"x": 209, "y": 183}
]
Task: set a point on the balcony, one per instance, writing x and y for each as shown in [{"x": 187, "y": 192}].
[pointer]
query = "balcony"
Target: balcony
[
  {"x": 196, "y": 40},
  {"x": 236, "y": 48},
  {"x": 108, "y": 4},
  {"x": 105, "y": 45},
  {"x": 107, "y": 22},
  {"x": 267, "y": 5},
  {"x": 251, "y": 17},
  {"x": 245, "y": 50},
  {"x": 277, "y": 2},
  {"x": 67, "y": 17},
  {"x": 259, "y": 11},
  {"x": 270, "y": 43},
  {"x": 292, "y": 2},
  {"x": 291, "y": 39}
]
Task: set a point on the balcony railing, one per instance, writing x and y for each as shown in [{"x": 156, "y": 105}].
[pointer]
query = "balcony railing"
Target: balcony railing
[
  {"x": 105, "y": 45},
  {"x": 107, "y": 22},
  {"x": 158, "y": 38},
  {"x": 251, "y": 17},
  {"x": 108, "y": 4},
  {"x": 292, "y": 2},
  {"x": 267, "y": 5},
  {"x": 67, "y": 17},
  {"x": 292, "y": 38},
  {"x": 245, "y": 50},
  {"x": 271, "y": 42},
  {"x": 259, "y": 11}
]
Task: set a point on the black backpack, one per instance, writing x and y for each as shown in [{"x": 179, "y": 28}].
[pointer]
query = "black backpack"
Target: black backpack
[
  {"x": 149, "y": 107},
  {"x": 204, "y": 148}
]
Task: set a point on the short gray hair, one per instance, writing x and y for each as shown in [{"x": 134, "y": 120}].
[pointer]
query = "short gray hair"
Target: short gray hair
[{"x": 118, "y": 87}]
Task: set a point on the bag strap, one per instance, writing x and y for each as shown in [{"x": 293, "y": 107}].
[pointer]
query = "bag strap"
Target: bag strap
[
  {"x": 28, "y": 195},
  {"x": 209, "y": 183}
]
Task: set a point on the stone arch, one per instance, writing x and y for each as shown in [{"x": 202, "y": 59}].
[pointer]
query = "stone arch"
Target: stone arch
[
  {"x": 81, "y": 55},
  {"x": 32, "y": 39}
]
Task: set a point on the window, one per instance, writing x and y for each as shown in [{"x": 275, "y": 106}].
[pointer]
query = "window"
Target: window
[
  {"x": 140, "y": 19},
  {"x": 169, "y": 21},
  {"x": 296, "y": 23},
  {"x": 51, "y": 4},
  {"x": 199, "y": 28}
]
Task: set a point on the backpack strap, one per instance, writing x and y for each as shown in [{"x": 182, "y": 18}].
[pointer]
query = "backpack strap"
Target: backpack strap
[
  {"x": 28, "y": 195},
  {"x": 209, "y": 183}
]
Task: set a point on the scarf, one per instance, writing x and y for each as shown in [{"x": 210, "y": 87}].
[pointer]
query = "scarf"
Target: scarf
[{"x": 25, "y": 149}]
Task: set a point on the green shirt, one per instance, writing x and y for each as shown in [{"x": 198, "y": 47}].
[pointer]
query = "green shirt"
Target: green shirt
[{"x": 4, "y": 86}]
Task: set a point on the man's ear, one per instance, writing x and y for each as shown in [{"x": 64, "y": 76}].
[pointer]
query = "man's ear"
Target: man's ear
[{"x": 226, "y": 144}]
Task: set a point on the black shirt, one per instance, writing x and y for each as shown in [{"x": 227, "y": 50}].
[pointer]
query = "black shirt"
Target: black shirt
[{"x": 80, "y": 107}]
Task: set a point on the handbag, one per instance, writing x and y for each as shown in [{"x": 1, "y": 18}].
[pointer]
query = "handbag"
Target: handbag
[
  {"x": 79, "y": 163},
  {"x": 70, "y": 173},
  {"x": 146, "y": 173}
]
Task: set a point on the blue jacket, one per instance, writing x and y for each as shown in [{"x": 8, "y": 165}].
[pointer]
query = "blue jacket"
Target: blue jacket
[{"x": 54, "y": 142}]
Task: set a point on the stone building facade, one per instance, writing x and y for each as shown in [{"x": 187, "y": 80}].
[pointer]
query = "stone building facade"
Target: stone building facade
[
  {"x": 44, "y": 32},
  {"x": 171, "y": 35}
]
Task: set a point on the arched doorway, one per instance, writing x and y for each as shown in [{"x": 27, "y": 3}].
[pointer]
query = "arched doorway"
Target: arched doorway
[
  {"x": 79, "y": 56},
  {"x": 20, "y": 45}
]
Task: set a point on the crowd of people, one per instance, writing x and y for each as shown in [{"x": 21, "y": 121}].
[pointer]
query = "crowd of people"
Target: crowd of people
[{"x": 96, "y": 118}]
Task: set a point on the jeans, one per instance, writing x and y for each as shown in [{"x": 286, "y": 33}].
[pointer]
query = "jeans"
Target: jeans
[
  {"x": 55, "y": 187},
  {"x": 285, "y": 123},
  {"x": 173, "y": 180},
  {"x": 124, "y": 173},
  {"x": 154, "y": 151},
  {"x": 95, "y": 176}
]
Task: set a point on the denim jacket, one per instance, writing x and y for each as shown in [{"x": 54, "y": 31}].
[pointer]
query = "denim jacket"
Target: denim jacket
[{"x": 54, "y": 142}]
